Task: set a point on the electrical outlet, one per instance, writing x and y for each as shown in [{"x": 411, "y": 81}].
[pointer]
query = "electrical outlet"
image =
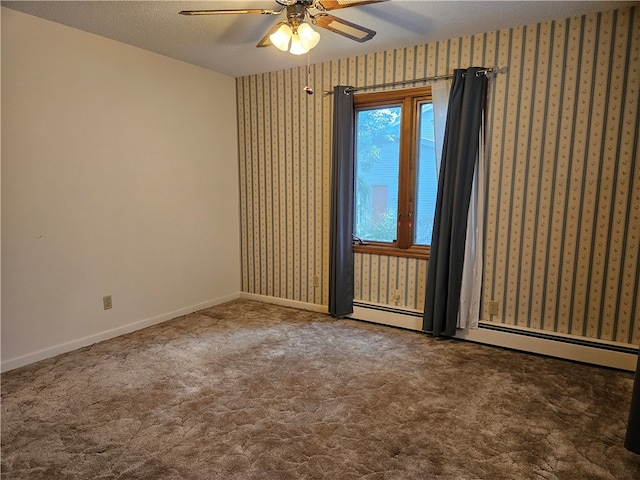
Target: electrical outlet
[
  {"x": 107, "y": 303},
  {"x": 494, "y": 308},
  {"x": 316, "y": 280}
]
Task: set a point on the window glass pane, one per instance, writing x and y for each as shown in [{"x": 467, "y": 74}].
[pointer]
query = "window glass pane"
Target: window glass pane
[
  {"x": 427, "y": 181},
  {"x": 377, "y": 170}
]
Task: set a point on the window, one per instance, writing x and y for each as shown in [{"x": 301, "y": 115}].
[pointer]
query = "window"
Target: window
[{"x": 395, "y": 172}]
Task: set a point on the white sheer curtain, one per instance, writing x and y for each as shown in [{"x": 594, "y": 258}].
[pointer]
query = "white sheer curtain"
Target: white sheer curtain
[{"x": 469, "y": 313}]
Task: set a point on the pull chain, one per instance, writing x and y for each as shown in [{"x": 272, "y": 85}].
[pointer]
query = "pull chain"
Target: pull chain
[{"x": 308, "y": 90}]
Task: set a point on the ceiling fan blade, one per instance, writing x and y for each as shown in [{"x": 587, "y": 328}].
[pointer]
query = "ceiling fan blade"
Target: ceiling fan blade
[
  {"x": 327, "y": 5},
  {"x": 266, "y": 41},
  {"x": 343, "y": 27},
  {"x": 228, "y": 12}
]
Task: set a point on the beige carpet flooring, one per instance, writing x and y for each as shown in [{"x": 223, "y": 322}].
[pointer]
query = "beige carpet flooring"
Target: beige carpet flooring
[{"x": 247, "y": 390}]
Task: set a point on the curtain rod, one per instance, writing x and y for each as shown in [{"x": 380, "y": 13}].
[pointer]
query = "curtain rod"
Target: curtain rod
[{"x": 406, "y": 82}]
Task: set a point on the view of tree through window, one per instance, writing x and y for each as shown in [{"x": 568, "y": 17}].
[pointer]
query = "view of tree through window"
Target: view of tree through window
[
  {"x": 396, "y": 172},
  {"x": 377, "y": 166}
]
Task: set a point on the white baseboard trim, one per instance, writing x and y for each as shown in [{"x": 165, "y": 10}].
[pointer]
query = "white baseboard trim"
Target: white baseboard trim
[
  {"x": 380, "y": 314},
  {"x": 285, "y": 302},
  {"x": 602, "y": 354},
  {"x": 29, "y": 358}
]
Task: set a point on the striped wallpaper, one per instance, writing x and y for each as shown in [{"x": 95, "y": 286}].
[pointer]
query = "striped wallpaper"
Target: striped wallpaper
[{"x": 562, "y": 225}]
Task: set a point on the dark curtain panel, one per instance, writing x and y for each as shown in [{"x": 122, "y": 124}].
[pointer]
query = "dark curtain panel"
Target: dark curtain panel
[
  {"x": 632, "y": 440},
  {"x": 341, "y": 221},
  {"x": 459, "y": 151}
]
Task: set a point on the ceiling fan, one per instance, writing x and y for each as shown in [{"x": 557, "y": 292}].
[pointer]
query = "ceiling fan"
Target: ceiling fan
[{"x": 294, "y": 34}]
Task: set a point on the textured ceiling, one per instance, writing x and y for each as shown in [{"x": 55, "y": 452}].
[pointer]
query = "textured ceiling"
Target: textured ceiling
[{"x": 226, "y": 44}]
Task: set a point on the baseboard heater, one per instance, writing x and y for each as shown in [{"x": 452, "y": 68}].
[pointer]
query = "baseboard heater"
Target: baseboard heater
[
  {"x": 388, "y": 308},
  {"x": 549, "y": 336},
  {"x": 609, "y": 354}
]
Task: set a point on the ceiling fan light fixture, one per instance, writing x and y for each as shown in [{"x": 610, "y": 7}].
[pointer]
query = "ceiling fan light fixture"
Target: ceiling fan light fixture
[
  {"x": 297, "y": 48},
  {"x": 308, "y": 36},
  {"x": 294, "y": 34},
  {"x": 281, "y": 37}
]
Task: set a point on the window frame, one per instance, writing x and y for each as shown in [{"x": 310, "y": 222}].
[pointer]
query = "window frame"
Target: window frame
[{"x": 409, "y": 100}]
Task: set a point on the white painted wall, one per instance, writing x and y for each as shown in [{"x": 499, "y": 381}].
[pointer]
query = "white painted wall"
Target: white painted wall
[{"x": 119, "y": 177}]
